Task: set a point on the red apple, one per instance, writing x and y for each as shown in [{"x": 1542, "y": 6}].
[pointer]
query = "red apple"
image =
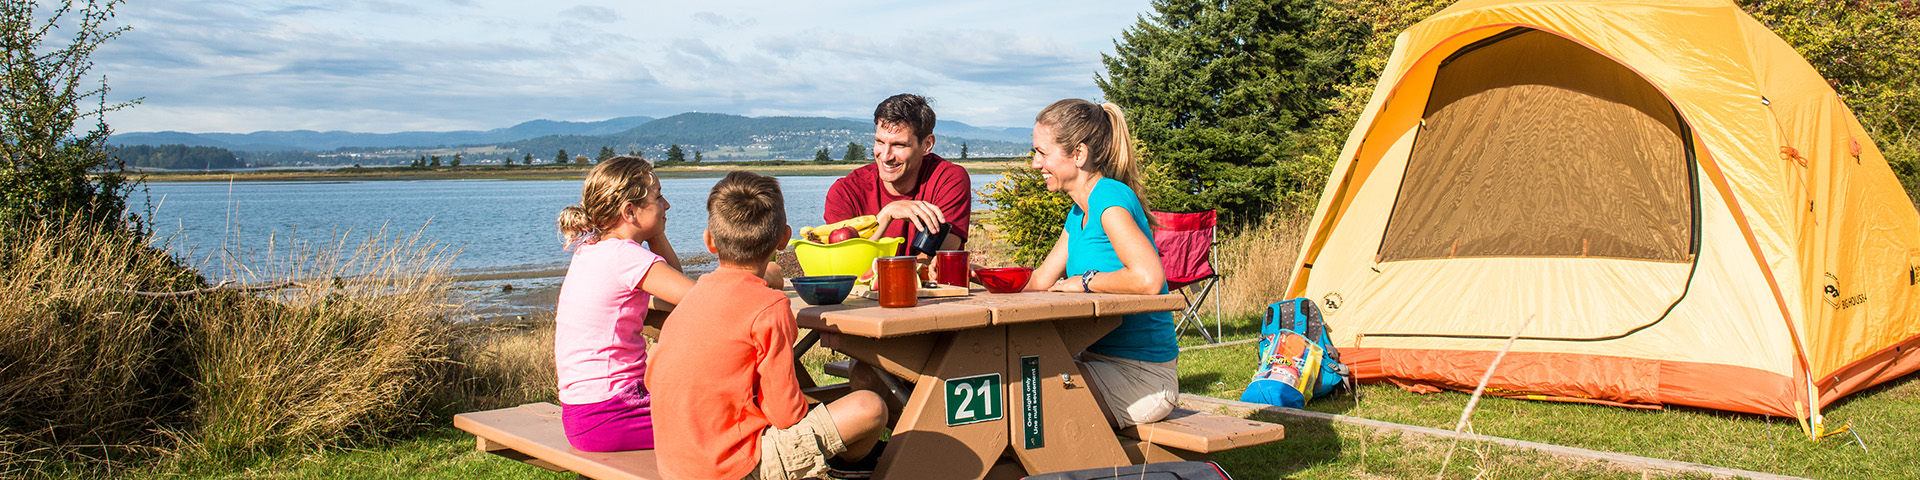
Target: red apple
[{"x": 842, "y": 234}]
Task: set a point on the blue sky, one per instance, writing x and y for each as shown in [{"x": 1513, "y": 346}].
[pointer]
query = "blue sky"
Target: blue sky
[{"x": 387, "y": 66}]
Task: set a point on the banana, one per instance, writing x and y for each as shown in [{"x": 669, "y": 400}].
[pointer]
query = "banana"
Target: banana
[{"x": 867, "y": 225}]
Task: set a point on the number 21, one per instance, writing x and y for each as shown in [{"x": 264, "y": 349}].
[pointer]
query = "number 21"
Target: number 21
[{"x": 967, "y": 392}]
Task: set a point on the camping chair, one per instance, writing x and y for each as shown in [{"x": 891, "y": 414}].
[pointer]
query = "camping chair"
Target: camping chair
[{"x": 1186, "y": 242}]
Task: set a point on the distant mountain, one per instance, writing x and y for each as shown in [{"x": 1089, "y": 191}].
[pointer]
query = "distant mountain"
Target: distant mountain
[
  {"x": 263, "y": 141},
  {"x": 955, "y": 129},
  {"x": 725, "y": 137},
  {"x": 716, "y": 136}
]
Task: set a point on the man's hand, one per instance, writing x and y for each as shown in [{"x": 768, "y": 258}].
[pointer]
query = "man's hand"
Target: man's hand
[{"x": 925, "y": 216}]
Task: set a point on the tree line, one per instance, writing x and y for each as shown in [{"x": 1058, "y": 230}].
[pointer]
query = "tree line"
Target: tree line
[{"x": 178, "y": 157}]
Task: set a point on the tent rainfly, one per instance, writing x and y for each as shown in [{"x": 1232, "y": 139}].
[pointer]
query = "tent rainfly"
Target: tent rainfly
[{"x": 1684, "y": 208}]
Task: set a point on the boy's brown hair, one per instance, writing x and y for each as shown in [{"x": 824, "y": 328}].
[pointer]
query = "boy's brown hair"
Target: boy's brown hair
[{"x": 747, "y": 217}]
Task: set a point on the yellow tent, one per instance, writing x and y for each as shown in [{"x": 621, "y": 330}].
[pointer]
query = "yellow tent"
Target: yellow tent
[{"x": 1686, "y": 211}]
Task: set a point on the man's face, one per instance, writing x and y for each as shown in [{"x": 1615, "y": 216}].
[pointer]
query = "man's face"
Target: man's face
[{"x": 897, "y": 152}]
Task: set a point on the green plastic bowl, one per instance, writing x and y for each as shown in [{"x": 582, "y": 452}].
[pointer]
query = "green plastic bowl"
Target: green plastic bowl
[{"x": 849, "y": 257}]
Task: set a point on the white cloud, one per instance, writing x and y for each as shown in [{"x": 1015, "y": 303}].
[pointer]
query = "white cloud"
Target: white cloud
[
  {"x": 380, "y": 66},
  {"x": 592, "y": 14}
]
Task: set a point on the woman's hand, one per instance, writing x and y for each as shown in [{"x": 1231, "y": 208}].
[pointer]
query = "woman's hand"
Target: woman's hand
[
  {"x": 1069, "y": 284},
  {"x": 1050, "y": 270}
]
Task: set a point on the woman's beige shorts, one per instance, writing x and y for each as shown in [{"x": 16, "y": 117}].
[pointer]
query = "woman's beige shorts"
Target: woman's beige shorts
[{"x": 1137, "y": 392}]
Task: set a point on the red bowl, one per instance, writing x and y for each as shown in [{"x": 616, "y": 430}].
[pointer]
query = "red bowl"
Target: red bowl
[{"x": 1004, "y": 280}]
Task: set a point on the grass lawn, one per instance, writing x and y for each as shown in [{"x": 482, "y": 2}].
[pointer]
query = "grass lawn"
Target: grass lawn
[
  {"x": 1882, "y": 416},
  {"x": 1315, "y": 449}
]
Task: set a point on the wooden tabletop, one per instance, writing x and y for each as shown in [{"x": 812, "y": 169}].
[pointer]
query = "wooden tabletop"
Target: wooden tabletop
[{"x": 863, "y": 317}]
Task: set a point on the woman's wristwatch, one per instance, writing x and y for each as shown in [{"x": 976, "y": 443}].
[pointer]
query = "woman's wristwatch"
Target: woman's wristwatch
[{"x": 1086, "y": 280}]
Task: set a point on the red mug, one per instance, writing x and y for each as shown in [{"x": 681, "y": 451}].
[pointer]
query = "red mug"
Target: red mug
[{"x": 952, "y": 265}]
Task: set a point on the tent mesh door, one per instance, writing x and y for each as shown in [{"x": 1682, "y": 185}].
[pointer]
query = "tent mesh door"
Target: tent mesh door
[{"x": 1535, "y": 146}]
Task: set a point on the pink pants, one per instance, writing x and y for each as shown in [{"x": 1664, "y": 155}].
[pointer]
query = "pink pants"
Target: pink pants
[{"x": 624, "y": 422}]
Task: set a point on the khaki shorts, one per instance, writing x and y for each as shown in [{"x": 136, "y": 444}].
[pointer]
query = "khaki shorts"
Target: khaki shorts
[
  {"x": 1137, "y": 392},
  {"x": 799, "y": 451}
]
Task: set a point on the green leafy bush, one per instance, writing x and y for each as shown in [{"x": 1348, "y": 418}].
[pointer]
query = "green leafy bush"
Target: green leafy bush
[
  {"x": 1027, "y": 216},
  {"x": 51, "y": 171}
]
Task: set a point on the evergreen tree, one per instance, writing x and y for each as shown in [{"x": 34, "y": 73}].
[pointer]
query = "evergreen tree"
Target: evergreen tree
[
  {"x": 605, "y": 153},
  {"x": 1217, "y": 94},
  {"x": 675, "y": 155},
  {"x": 560, "y": 157},
  {"x": 821, "y": 155},
  {"x": 433, "y": 161},
  {"x": 963, "y": 150},
  {"x": 527, "y": 160},
  {"x": 456, "y": 160},
  {"x": 696, "y": 156},
  {"x": 855, "y": 152}
]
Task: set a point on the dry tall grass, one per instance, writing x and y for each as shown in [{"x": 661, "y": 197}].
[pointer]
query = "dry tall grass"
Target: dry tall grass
[
  {"x": 87, "y": 376},
  {"x": 349, "y": 355},
  {"x": 501, "y": 363},
  {"x": 95, "y": 377},
  {"x": 1256, "y": 263}
]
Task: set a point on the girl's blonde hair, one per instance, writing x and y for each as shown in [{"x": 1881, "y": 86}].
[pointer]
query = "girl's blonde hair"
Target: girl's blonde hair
[
  {"x": 1102, "y": 129},
  {"x": 612, "y": 184}
]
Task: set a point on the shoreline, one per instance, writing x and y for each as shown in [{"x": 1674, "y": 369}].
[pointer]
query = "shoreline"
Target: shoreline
[{"x": 539, "y": 172}]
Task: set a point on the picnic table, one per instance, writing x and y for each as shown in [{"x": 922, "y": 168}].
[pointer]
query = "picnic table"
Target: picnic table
[
  {"x": 990, "y": 373},
  {"x": 991, "y": 377}
]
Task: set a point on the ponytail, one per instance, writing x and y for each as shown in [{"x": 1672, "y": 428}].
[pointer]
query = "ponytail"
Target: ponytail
[
  {"x": 1109, "y": 143},
  {"x": 575, "y": 227}
]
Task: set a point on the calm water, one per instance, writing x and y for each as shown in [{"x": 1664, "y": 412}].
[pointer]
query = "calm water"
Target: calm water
[{"x": 501, "y": 228}]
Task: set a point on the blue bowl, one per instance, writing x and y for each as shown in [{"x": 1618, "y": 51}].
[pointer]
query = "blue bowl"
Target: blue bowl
[{"x": 823, "y": 289}]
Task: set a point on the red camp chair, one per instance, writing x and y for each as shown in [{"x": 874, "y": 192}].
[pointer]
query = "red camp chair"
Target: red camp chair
[{"x": 1186, "y": 242}]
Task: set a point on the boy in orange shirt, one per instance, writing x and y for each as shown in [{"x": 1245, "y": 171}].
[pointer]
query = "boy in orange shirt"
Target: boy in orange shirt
[{"x": 726, "y": 402}]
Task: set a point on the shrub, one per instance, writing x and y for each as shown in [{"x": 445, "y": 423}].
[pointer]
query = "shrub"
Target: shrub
[
  {"x": 347, "y": 357},
  {"x": 1026, "y": 215},
  {"x": 51, "y": 171},
  {"x": 88, "y": 376},
  {"x": 96, "y": 377}
]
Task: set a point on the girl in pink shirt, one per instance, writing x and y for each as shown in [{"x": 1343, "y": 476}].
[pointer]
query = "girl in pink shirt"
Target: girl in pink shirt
[{"x": 598, "y": 349}]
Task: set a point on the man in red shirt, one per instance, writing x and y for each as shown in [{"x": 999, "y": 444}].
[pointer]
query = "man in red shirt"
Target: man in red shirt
[{"x": 910, "y": 189}]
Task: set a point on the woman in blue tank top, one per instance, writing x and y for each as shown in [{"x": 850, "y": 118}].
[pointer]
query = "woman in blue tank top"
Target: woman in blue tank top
[{"x": 1106, "y": 246}]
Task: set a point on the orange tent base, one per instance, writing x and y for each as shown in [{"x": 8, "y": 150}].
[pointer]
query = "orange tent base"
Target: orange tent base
[{"x": 1603, "y": 380}]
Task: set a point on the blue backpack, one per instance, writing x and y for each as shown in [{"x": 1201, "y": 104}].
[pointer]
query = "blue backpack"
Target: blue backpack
[{"x": 1297, "y": 358}]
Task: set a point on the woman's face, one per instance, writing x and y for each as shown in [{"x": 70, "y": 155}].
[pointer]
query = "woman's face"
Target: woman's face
[{"x": 1057, "y": 165}]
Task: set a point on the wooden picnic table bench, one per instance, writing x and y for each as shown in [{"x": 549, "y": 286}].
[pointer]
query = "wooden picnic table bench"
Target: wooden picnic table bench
[
  {"x": 531, "y": 433},
  {"x": 1019, "y": 346}
]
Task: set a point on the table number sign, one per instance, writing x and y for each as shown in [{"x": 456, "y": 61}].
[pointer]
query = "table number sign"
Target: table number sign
[{"x": 973, "y": 399}]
